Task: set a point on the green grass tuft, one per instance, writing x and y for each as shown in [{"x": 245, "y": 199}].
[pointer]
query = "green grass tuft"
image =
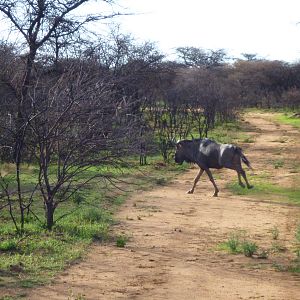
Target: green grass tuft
[
  {"x": 298, "y": 234},
  {"x": 275, "y": 233},
  {"x": 233, "y": 243},
  {"x": 9, "y": 245},
  {"x": 278, "y": 163},
  {"x": 249, "y": 248},
  {"x": 161, "y": 181},
  {"x": 237, "y": 244},
  {"x": 121, "y": 241}
]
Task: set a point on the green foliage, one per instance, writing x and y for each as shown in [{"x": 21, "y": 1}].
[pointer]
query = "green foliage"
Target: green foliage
[
  {"x": 294, "y": 268},
  {"x": 230, "y": 133},
  {"x": 226, "y": 133},
  {"x": 237, "y": 243},
  {"x": 275, "y": 233},
  {"x": 298, "y": 233},
  {"x": 83, "y": 230},
  {"x": 283, "y": 116},
  {"x": 278, "y": 247},
  {"x": 37, "y": 257},
  {"x": 249, "y": 248},
  {"x": 94, "y": 215},
  {"x": 8, "y": 245},
  {"x": 278, "y": 163},
  {"x": 78, "y": 198},
  {"x": 161, "y": 181},
  {"x": 39, "y": 254},
  {"x": 233, "y": 243},
  {"x": 263, "y": 187},
  {"x": 288, "y": 118},
  {"x": 247, "y": 139},
  {"x": 76, "y": 296},
  {"x": 121, "y": 241}
]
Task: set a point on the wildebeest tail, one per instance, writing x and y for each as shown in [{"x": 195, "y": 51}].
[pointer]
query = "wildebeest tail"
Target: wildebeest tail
[{"x": 244, "y": 158}]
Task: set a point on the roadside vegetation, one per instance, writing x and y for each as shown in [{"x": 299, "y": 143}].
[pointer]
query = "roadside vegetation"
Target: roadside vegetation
[
  {"x": 264, "y": 187},
  {"x": 282, "y": 257},
  {"x": 272, "y": 249},
  {"x": 37, "y": 255},
  {"x": 289, "y": 118},
  {"x": 264, "y": 180},
  {"x": 238, "y": 243},
  {"x": 286, "y": 115}
]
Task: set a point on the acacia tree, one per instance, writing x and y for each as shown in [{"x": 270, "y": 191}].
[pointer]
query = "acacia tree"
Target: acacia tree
[
  {"x": 200, "y": 58},
  {"x": 192, "y": 103},
  {"x": 39, "y": 23},
  {"x": 135, "y": 69},
  {"x": 79, "y": 123},
  {"x": 263, "y": 82}
]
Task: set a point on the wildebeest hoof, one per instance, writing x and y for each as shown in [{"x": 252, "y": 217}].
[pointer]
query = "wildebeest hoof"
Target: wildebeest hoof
[
  {"x": 250, "y": 186},
  {"x": 190, "y": 192},
  {"x": 215, "y": 195}
]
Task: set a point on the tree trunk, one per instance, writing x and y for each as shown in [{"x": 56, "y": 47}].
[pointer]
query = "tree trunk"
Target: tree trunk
[{"x": 50, "y": 208}]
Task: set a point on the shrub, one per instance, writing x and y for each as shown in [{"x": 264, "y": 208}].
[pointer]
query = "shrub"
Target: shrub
[
  {"x": 121, "y": 241},
  {"x": 249, "y": 248},
  {"x": 9, "y": 245},
  {"x": 160, "y": 181},
  {"x": 233, "y": 243},
  {"x": 275, "y": 233}
]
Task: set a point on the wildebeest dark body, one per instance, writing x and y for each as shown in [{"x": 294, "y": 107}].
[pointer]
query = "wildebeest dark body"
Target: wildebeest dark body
[{"x": 208, "y": 154}]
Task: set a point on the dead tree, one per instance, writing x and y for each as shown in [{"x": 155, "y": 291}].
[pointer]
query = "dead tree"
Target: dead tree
[
  {"x": 79, "y": 123},
  {"x": 38, "y": 22}
]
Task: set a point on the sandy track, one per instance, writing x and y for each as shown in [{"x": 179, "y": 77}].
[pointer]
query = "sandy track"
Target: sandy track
[{"x": 171, "y": 253}]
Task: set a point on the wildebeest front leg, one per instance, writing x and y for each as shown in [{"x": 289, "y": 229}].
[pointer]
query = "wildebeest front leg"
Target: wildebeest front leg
[
  {"x": 191, "y": 191},
  {"x": 213, "y": 182}
]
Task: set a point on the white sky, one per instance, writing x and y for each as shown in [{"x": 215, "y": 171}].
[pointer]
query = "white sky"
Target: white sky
[{"x": 266, "y": 27}]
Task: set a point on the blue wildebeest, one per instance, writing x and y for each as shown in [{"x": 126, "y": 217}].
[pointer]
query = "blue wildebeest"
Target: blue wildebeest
[{"x": 209, "y": 154}]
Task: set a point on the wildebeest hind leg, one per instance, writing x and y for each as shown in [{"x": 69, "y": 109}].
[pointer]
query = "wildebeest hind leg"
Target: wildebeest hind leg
[
  {"x": 213, "y": 182},
  {"x": 249, "y": 186},
  {"x": 240, "y": 181},
  {"x": 191, "y": 191}
]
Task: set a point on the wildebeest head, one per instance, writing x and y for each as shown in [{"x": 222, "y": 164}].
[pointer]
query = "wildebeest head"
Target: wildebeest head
[{"x": 182, "y": 151}]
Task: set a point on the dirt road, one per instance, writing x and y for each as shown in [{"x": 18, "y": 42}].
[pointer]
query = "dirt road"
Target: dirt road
[{"x": 172, "y": 252}]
